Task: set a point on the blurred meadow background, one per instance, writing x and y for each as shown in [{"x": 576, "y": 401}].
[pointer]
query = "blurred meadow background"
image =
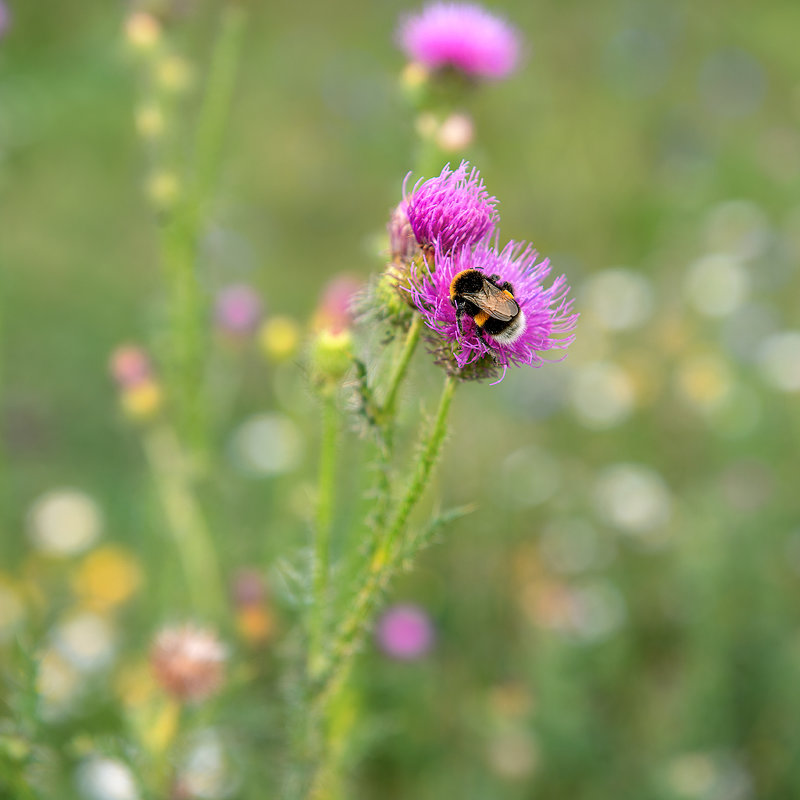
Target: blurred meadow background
[{"x": 618, "y": 616}]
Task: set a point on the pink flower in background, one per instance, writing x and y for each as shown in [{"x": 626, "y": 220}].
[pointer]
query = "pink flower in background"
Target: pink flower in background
[
  {"x": 461, "y": 36},
  {"x": 405, "y": 632},
  {"x": 335, "y": 310},
  {"x": 188, "y": 662},
  {"x": 238, "y": 309},
  {"x": 5, "y": 18},
  {"x": 545, "y": 311},
  {"x": 452, "y": 210},
  {"x": 130, "y": 365}
]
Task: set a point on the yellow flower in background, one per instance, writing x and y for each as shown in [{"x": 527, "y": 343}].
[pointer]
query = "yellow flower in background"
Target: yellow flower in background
[
  {"x": 153, "y": 717},
  {"x": 143, "y": 400},
  {"x": 255, "y": 624},
  {"x": 107, "y": 577},
  {"x": 279, "y": 338}
]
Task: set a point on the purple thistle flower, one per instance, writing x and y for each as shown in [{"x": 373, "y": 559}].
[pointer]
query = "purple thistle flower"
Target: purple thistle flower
[
  {"x": 547, "y": 311},
  {"x": 5, "y": 18},
  {"x": 463, "y": 36},
  {"x": 238, "y": 309},
  {"x": 450, "y": 211},
  {"x": 405, "y": 632}
]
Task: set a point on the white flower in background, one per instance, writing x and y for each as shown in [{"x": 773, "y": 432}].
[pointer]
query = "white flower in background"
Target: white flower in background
[
  {"x": 620, "y": 298},
  {"x": 602, "y": 395},
  {"x": 266, "y": 444},
  {"x": 64, "y": 522},
  {"x": 779, "y": 359},
  {"x": 634, "y": 499},
  {"x": 716, "y": 285},
  {"x": 100, "y": 778}
]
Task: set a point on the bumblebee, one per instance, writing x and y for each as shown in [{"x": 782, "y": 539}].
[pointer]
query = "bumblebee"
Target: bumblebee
[{"x": 489, "y": 302}]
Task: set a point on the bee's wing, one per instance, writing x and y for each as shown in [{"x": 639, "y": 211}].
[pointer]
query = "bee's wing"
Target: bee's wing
[{"x": 494, "y": 302}]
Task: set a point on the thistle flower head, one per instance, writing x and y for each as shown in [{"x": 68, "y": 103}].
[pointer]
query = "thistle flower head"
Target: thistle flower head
[
  {"x": 188, "y": 662},
  {"x": 405, "y": 632},
  {"x": 5, "y": 18},
  {"x": 545, "y": 311},
  {"x": 462, "y": 36},
  {"x": 237, "y": 309},
  {"x": 451, "y": 211}
]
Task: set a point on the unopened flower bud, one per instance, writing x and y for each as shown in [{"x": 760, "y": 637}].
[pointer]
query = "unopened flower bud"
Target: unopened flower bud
[
  {"x": 143, "y": 400},
  {"x": 174, "y": 74},
  {"x": 331, "y": 354},
  {"x": 130, "y": 365},
  {"x": 163, "y": 189},
  {"x": 414, "y": 81},
  {"x": 149, "y": 122},
  {"x": 455, "y": 133},
  {"x": 188, "y": 662},
  {"x": 142, "y": 31}
]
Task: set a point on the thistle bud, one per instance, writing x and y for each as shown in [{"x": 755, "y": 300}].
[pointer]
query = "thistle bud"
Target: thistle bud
[
  {"x": 331, "y": 355},
  {"x": 142, "y": 31}
]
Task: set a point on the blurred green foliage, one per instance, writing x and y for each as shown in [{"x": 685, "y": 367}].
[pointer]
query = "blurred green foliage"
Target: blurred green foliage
[{"x": 599, "y": 634}]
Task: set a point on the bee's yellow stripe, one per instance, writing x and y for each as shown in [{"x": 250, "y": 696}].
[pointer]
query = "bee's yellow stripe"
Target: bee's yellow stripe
[
  {"x": 508, "y": 294},
  {"x": 480, "y": 318}
]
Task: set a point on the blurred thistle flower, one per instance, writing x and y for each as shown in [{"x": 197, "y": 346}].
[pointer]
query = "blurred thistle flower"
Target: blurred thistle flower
[
  {"x": 188, "y": 662},
  {"x": 450, "y": 211},
  {"x": 248, "y": 588},
  {"x": 335, "y": 310},
  {"x": 255, "y": 620},
  {"x": 130, "y": 365},
  {"x": 142, "y": 30},
  {"x": 544, "y": 312},
  {"x": 5, "y": 18},
  {"x": 463, "y": 37},
  {"x": 238, "y": 310},
  {"x": 141, "y": 394},
  {"x": 279, "y": 338},
  {"x": 405, "y": 632}
]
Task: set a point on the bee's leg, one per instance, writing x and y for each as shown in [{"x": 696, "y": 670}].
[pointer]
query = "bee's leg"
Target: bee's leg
[
  {"x": 506, "y": 287},
  {"x": 460, "y": 305}
]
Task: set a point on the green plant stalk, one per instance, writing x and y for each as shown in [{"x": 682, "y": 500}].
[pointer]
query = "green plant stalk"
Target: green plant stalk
[
  {"x": 386, "y": 558},
  {"x": 322, "y": 534},
  {"x": 182, "y": 233},
  {"x": 398, "y": 374},
  {"x": 185, "y": 520}
]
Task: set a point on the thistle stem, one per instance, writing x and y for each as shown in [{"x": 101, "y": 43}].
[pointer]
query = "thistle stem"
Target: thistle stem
[
  {"x": 182, "y": 232},
  {"x": 322, "y": 535},
  {"x": 386, "y": 559},
  {"x": 400, "y": 369},
  {"x": 185, "y": 520}
]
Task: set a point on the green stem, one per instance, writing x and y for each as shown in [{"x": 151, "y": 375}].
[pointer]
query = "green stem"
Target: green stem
[
  {"x": 386, "y": 557},
  {"x": 185, "y": 520},
  {"x": 400, "y": 369},
  {"x": 182, "y": 233},
  {"x": 322, "y": 537}
]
